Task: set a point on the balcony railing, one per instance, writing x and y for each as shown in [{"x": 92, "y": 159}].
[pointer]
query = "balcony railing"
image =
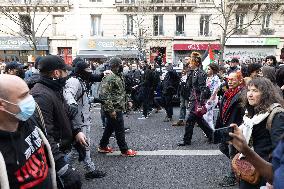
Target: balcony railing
[
  {"x": 34, "y": 2},
  {"x": 153, "y": 1},
  {"x": 179, "y": 33},
  {"x": 155, "y": 5},
  {"x": 35, "y": 5},
  {"x": 255, "y": 1},
  {"x": 267, "y": 31},
  {"x": 241, "y": 32},
  {"x": 205, "y": 34}
]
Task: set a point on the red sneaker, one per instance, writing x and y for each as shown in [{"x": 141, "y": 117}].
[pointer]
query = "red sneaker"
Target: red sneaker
[
  {"x": 129, "y": 153},
  {"x": 105, "y": 150}
]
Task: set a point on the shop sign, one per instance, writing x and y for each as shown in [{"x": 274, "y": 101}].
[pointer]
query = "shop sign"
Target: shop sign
[
  {"x": 254, "y": 41},
  {"x": 187, "y": 47},
  {"x": 244, "y": 54},
  {"x": 18, "y": 43},
  {"x": 107, "y": 44}
]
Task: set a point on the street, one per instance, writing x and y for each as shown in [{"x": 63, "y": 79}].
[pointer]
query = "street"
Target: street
[{"x": 160, "y": 163}]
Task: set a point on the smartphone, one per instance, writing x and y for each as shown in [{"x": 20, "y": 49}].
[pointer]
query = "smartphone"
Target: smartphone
[{"x": 221, "y": 135}]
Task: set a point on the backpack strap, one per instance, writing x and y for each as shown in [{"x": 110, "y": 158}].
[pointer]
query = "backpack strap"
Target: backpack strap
[
  {"x": 273, "y": 109},
  {"x": 50, "y": 157},
  {"x": 43, "y": 128},
  {"x": 4, "y": 182}
]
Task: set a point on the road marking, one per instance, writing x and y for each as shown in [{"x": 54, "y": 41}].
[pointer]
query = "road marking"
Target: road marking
[{"x": 174, "y": 153}]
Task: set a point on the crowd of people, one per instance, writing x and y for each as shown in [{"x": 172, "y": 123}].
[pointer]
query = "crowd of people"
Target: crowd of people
[{"x": 45, "y": 117}]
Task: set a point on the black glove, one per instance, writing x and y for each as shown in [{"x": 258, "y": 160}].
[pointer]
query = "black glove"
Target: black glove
[
  {"x": 81, "y": 150},
  {"x": 69, "y": 178},
  {"x": 72, "y": 111}
]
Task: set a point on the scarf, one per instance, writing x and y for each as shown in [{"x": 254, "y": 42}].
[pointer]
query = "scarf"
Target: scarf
[
  {"x": 53, "y": 84},
  {"x": 248, "y": 124},
  {"x": 229, "y": 95}
]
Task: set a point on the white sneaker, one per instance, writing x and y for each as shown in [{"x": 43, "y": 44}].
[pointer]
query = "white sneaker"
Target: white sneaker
[{"x": 143, "y": 117}]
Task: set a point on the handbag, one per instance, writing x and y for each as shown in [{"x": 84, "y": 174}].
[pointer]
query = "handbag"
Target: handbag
[
  {"x": 199, "y": 109},
  {"x": 245, "y": 170}
]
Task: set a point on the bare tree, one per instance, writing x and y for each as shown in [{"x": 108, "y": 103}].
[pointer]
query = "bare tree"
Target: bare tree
[
  {"x": 231, "y": 20},
  {"x": 138, "y": 26},
  {"x": 25, "y": 18}
]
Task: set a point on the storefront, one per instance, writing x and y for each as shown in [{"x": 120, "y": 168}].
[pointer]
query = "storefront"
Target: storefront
[
  {"x": 158, "y": 51},
  {"x": 250, "y": 49},
  {"x": 101, "y": 49},
  {"x": 19, "y": 49},
  {"x": 183, "y": 50}
]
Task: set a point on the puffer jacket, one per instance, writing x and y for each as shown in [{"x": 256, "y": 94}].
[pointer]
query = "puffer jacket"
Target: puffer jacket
[{"x": 75, "y": 92}]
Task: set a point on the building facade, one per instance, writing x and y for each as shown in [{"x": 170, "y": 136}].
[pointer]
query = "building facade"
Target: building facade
[{"x": 143, "y": 29}]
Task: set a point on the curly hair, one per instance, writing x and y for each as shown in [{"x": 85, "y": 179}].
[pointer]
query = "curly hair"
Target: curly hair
[
  {"x": 196, "y": 58},
  {"x": 269, "y": 95},
  {"x": 273, "y": 58}
]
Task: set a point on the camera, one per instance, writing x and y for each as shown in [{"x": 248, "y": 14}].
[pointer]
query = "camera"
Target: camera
[{"x": 221, "y": 135}]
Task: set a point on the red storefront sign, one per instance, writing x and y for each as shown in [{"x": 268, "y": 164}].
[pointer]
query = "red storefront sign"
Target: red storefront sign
[{"x": 187, "y": 47}]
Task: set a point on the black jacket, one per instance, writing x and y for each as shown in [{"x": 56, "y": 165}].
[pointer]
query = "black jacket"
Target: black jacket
[
  {"x": 58, "y": 125},
  {"x": 196, "y": 82},
  {"x": 263, "y": 140},
  {"x": 170, "y": 83},
  {"x": 234, "y": 113},
  {"x": 25, "y": 157}
]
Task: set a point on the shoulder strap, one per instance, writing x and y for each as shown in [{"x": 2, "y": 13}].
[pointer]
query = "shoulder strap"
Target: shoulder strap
[
  {"x": 4, "y": 182},
  {"x": 50, "y": 157},
  {"x": 41, "y": 119},
  {"x": 275, "y": 109}
]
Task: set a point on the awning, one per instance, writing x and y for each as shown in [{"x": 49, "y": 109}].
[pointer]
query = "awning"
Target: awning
[{"x": 106, "y": 54}]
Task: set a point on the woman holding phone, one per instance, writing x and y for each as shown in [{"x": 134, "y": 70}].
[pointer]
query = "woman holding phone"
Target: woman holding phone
[{"x": 262, "y": 126}]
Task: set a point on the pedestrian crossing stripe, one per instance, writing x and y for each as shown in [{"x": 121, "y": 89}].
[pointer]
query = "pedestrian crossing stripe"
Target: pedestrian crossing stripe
[{"x": 174, "y": 153}]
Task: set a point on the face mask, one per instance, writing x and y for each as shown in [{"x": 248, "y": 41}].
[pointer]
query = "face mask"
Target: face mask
[
  {"x": 61, "y": 81},
  {"x": 27, "y": 107}
]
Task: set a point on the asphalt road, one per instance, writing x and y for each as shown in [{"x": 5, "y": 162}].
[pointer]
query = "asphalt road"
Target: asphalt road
[{"x": 161, "y": 163}]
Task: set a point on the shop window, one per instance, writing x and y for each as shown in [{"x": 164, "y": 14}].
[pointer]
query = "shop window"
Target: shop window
[
  {"x": 158, "y": 25},
  {"x": 96, "y": 25},
  {"x": 58, "y": 26},
  {"x": 25, "y": 23},
  {"x": 204, "y": 25},
  {"x": 180, "y": 24},
  {"x": 129, "y": 24},
  {"x": 66, "y": 54}
]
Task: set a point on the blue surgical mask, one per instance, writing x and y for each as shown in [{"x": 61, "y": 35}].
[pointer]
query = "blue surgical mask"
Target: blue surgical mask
[{"x": 27, "y": 107}]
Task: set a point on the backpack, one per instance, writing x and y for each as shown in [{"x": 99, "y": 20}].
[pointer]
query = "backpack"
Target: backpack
[{"x": 273, "y": 109}]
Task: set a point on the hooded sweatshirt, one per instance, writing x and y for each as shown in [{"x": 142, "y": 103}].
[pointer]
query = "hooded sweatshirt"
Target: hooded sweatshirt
[{"x": 25, "y": 158}]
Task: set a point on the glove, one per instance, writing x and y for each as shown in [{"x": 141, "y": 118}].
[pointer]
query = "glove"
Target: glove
[
  {"x": 81, "y": 151},
  {"x": 72, "y": 111},
  {"x": 69, "y": 178}
]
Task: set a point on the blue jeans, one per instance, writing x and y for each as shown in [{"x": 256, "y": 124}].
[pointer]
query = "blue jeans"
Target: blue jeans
[{"x": 183, "y": 104}]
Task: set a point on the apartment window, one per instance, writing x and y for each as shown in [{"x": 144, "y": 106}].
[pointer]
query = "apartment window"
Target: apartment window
[
  {"x": 25, "y": 23},
  {"x": 96, "y": 25},
  {"x": 58, "y": 26},
  {"x": 205, "y": 1},
  {"x": 180, "y": 24},
  {"x": 129, "y": 24},
  {"x": 266, "y": 20},
  {"x": 204, "y": 25},
  {"x": 157, "y": 1},
  {"x": 240, "y": 20},
  {"x": 158, "y": 25},
  {"x": 129, "y": 1},
  {"x": 96, "y": 1}
]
